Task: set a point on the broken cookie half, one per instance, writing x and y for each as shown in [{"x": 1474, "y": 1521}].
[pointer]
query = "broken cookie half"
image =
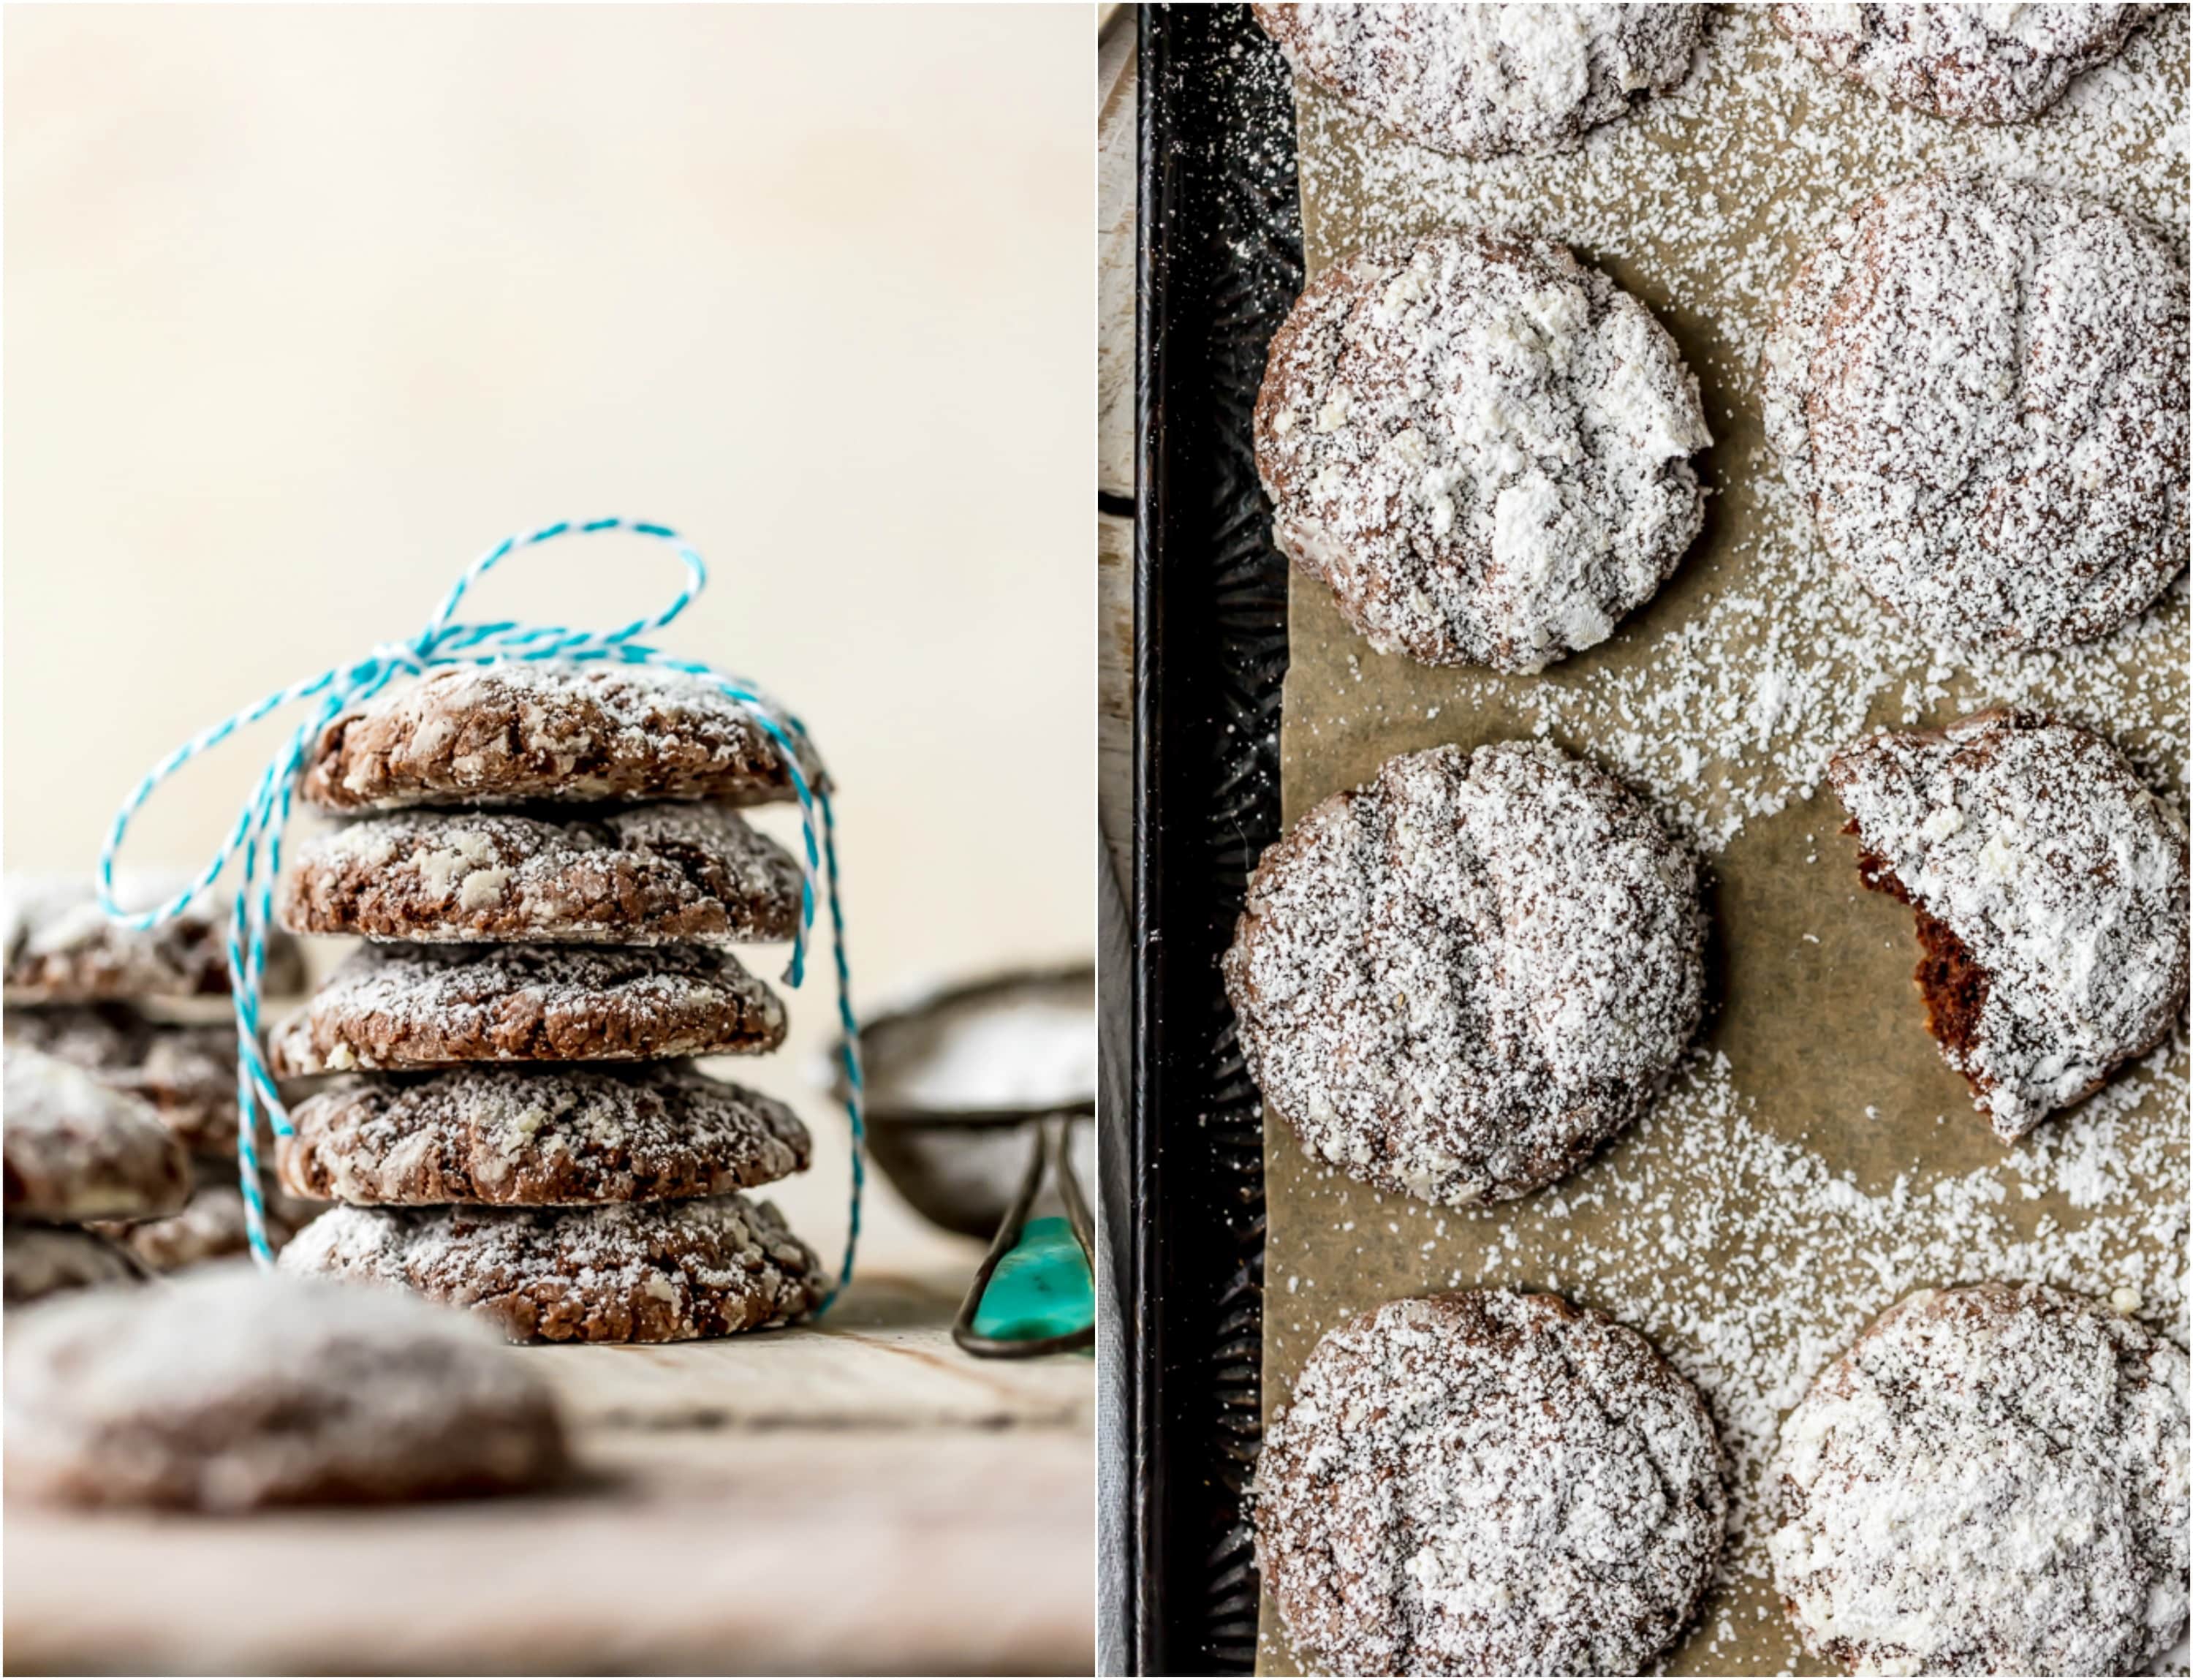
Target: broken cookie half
[{"x": 2049, "y": 884}]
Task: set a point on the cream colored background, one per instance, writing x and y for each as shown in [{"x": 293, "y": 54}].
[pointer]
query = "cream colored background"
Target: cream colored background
[{"x": 306, "y": 305}]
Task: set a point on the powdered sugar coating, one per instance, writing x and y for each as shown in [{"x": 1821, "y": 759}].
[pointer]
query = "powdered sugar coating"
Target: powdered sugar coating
[
  {"x": 72, "y": 1149},
  {"x": 1980, "y": 384},
  {"x": 507, "y": 734},
  {"x": 185, "y": 1070},
  {"x": 1481, "y": 80},
  {"x": 230, "y": 1389},
  {"x": 1487, "y": 1484},
  {"x": 2064, "y": 878},
  {"x": 391, "y": 1006},
  {"x": 1993, "y": 1481},
  {"x": 41, "y": 1260},
  {"x": 58, "y": 946},
  {"x": 535, "y": 1136},
  {"x": 1459, "y": 980},
  {"x": 1979, "y": 63},
  {"x": 641, "y": 875},
  {"x": 643, "y": 1271},
  {"x": 1482, "y": 445}
]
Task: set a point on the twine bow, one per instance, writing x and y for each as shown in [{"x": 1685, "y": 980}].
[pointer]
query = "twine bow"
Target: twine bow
[{"x": 257, "y": 835}]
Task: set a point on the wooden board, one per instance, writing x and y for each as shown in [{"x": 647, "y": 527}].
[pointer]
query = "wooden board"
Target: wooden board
[{"x": 854, "y": 1496}]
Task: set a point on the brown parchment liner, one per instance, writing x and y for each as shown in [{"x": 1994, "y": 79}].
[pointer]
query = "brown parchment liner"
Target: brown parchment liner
[{"x": 1813, "y": 1003}]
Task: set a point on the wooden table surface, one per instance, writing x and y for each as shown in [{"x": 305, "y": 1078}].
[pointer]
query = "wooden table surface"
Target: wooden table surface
[{"x": 854, "y": 1496}]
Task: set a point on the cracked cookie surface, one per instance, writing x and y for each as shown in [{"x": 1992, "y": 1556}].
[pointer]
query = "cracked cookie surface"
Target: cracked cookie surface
[
  {"x": 1459, "y": 980},
  {"x": 539, "y": 1137},
  {"x": 642, "y": 1271},
  {"x": 1992, "y": 1480},
  {"x": 1485, "y": 1482},
  {"x": 1482, "y": 446},
  {"x": 636, "y": 876},
  {"x": 391, "y": 1007}
]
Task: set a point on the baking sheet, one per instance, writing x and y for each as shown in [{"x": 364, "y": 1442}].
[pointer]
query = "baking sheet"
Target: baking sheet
[{"x": 1815, "y": 1160}]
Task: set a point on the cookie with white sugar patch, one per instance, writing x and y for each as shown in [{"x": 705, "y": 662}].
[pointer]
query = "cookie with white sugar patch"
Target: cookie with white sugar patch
[
  {"x": 72, "y": 1149},
  {"x": 1992, "y": 1480},
  {"x": 44, "y": 1260},
  {"x": 1976, "y": 64},
  {"x": 1980, "y": 385},
  {"x": 1459, "y": 980},
  {"x": 231, "y": 1390},
  {"x": 391, "y": 1006},
  {"x": 1480, "y": 81},
  {"x": 186, "y": 1070},
  {"x": 58, "y": 946},
  {"x": 637, "y": 1271},
  {"x": 1482, "y": 445},
  {"x": 513, "y": 734},
  {"x": 2050, "y": 888},
  {"x": 556, "y": 1136},
  {"x": 639, "y": 875},
  {"x": 211, "y": 1226},
  {"x": 1483, "y": 1482}
]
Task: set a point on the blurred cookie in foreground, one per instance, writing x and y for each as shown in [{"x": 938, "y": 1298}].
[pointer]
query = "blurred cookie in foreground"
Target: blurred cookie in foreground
[
  {"x": 42, "y": 1260},
  {"x": 234, "y": 1389},
  {"x": 58, "y": 946}
]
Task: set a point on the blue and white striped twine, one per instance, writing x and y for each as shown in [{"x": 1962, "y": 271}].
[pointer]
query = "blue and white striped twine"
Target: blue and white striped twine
[{"x": 257, "y": 833}]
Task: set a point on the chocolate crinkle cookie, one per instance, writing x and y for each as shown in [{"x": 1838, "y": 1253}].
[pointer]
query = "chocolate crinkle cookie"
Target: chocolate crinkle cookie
[
  {"x": 1481, "y": 80},
  {"x": 436, "y": 1006},
  {"x": 643, "y": 1271},
  {"x": 1459, "y": 980},
  {"x": 498, "y": 735},
  {"x": 539, "y": 1137},
  {"x": 58, "y": 945},
  {"x": 636, "y": 876},
  {"x": 2050, "y": 888},
  {"x": 231, "y": 1390},
  {"x": 1980, "y": 64},
  {"x": 1482, "y": 446},
  {"x": 42, "y": 1260},
  {"x": 211, "y": 1226},
  {"x": 1979, "y": 384},
  {"x": 1487, "y": 1484},
  {"x": 72, "y": 1149},
  {"x": 185, "y": 1070},
  {"x": 1993, "y": 1481}
]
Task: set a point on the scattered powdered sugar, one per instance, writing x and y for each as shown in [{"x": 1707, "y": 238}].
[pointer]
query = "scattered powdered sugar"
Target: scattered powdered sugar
[
  {"x": 1725, "y": 697},
  {"x": 1481, "y": 80},
  {"x": 2060, "y": 1426},
  {"x": 1460, "y": 980},
  {"x": 1483, "y": 446},
  {"x": 1749, "y": 1262},
  {"x": 1487, "y": 1484},
  {"x": 2063, "y": 879}
]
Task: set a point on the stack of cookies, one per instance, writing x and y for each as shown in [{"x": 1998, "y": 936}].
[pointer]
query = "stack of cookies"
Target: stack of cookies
[
  {"x": 145, "y": 1013},
  {"x": 548, "y": 867}
]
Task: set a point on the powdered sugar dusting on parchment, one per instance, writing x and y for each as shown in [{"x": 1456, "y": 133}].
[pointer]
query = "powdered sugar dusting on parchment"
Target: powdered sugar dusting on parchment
[{"x": 1760, "y": 659}]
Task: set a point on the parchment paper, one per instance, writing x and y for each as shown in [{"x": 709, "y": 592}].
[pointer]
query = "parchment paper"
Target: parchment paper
[{"x": 1816, "y": 1068}]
